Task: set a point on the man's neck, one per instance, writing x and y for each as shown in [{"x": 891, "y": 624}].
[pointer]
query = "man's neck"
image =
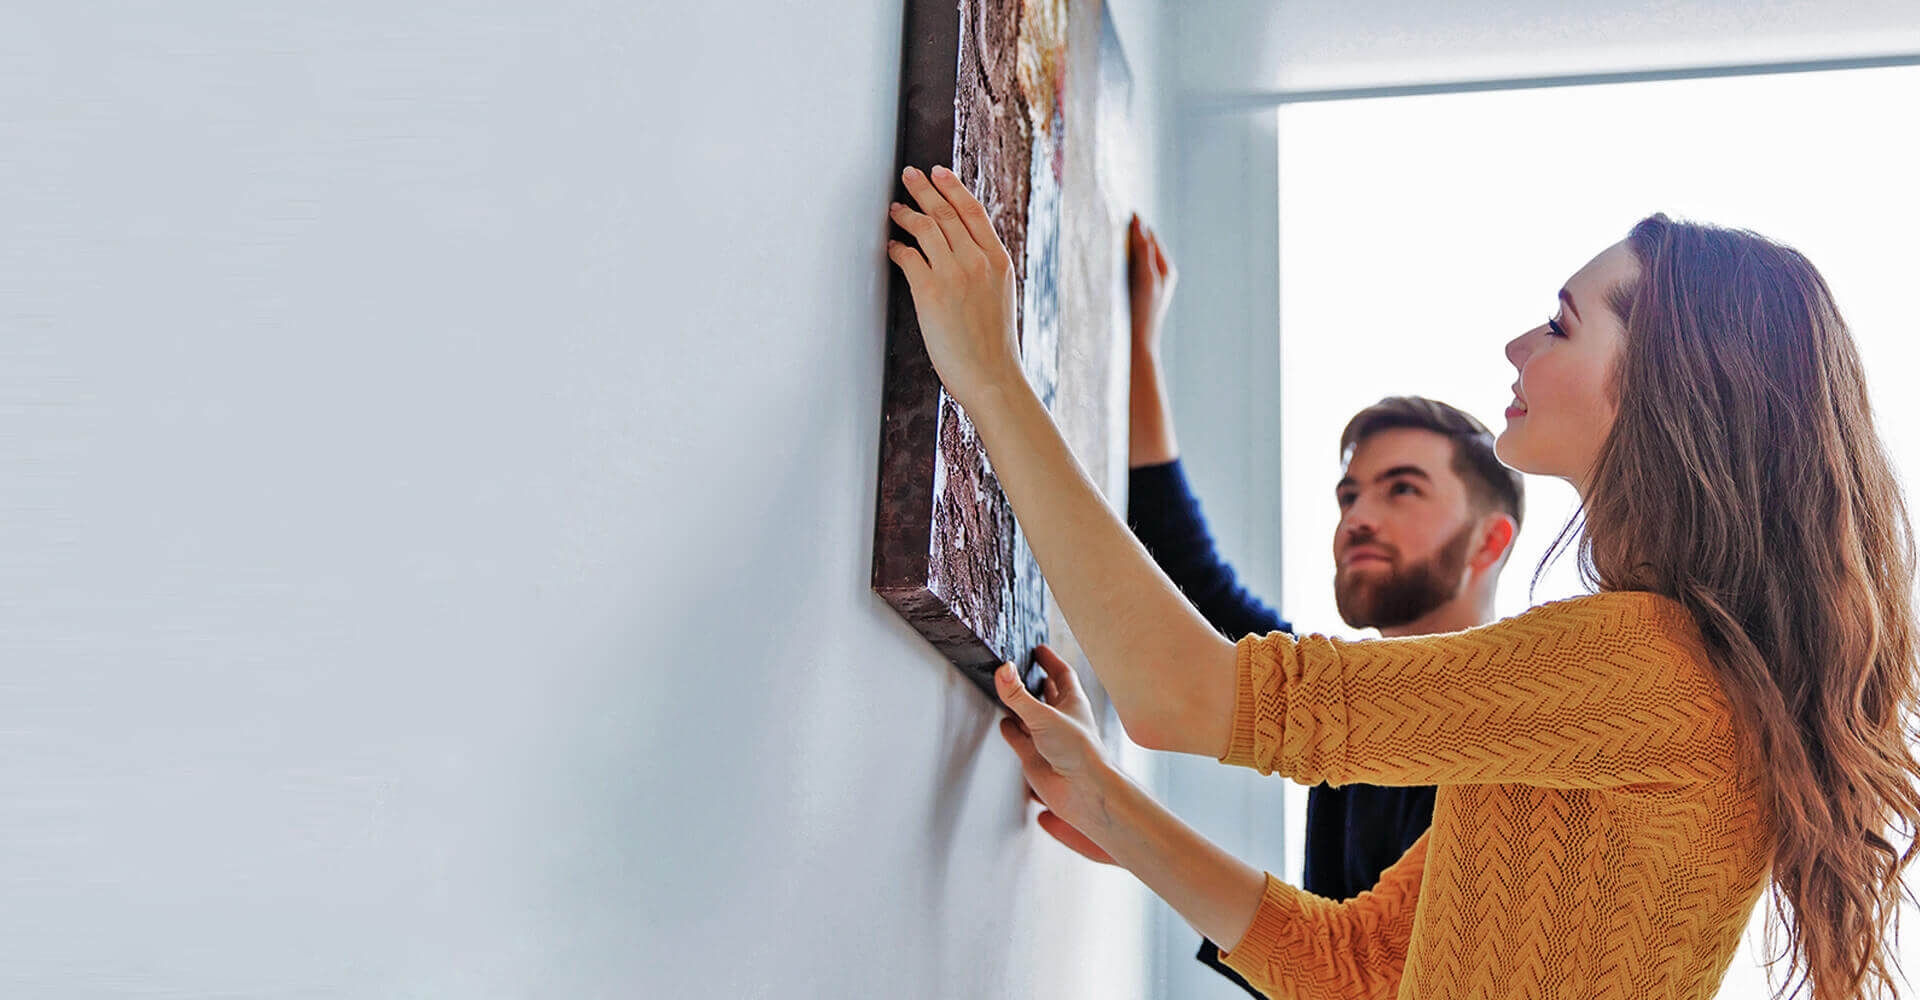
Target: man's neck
[{"x": 1462, "y": 612}]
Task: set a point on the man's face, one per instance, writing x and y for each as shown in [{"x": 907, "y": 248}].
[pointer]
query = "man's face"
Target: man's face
[{"x": 1406, "y": 529}]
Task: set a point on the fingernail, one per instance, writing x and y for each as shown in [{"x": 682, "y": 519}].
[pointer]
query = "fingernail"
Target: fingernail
[{"x": 941, "y": 171}]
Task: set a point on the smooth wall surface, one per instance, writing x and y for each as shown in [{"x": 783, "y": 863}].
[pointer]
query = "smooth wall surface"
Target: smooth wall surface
[{"x": 437, "y": 454}]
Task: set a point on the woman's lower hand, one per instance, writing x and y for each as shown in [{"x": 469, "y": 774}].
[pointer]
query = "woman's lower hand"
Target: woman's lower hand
[
  {"x": 963, "y": 285},
  {"x": 1059, "y": 753}
]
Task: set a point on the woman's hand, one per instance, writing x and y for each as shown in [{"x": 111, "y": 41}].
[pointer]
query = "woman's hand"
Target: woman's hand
[
  {"x": 1151, "y": 278},
  {"x": 1059, "y": 753},
  {"x": 963, "y": 285}
]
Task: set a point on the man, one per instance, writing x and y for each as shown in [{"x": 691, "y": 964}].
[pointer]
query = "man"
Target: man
[{"x": 1428, "y": 517}]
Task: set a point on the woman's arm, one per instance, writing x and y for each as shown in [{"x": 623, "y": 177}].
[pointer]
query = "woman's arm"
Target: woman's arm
[
  {"x": 1216, "y": 892},
  {"x": 1285, "y": 941},
  {"x": 1170, "y": 675},
  {"x": 1601, "y": 691}
]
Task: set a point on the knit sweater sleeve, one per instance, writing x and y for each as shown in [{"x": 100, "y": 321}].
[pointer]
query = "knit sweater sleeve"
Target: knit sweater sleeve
[
  {"x": 1601, "y": 691},
  {"x": 1313, "y": 948}
]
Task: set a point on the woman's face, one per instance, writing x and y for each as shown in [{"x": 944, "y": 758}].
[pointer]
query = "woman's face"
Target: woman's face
[{"x": 1561, "y": 410}]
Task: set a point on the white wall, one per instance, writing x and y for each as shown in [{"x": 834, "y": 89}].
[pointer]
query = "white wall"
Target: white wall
[{"x": 437, "y": 455}]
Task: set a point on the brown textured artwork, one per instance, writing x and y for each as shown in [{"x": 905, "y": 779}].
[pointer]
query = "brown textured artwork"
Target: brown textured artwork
[{"x": 1027, "y": 102}]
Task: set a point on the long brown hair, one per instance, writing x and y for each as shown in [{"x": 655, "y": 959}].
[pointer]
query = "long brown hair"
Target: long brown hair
[{"x": 1743, "y": 478}]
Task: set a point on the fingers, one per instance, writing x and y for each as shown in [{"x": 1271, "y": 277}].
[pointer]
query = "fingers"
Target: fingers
[
  {"x": 942, "y": 212},
  {"x": 1016, "y": 697},
  {"x": 910, "y": 261},
  {"x": 932, "y": 241},
  {"x": 973, "y": 215},
  {"x": 1038, "y": 718},
  {"x": 1031, "y": 760},
  {"x": 1059, "y": 674}
]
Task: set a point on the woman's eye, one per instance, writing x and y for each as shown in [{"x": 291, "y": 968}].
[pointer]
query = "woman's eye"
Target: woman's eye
[{"x": 1554, "y": 329}]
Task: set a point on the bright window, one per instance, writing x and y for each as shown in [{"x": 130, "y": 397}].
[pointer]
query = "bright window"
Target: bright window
[{"x": 1419, "y": 234}]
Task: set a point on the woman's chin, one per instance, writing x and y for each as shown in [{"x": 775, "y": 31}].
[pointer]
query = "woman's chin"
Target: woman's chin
[{"x": 1508, "y": 448}]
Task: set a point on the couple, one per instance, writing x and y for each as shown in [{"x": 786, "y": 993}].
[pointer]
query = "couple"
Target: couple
[
  {"x": 1618, "y": 776},
  {"x": 1428, "y": 516}
]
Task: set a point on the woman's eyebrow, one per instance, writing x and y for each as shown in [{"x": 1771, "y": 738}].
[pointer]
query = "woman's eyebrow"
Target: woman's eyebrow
[{"x": 1567, "y": 297}]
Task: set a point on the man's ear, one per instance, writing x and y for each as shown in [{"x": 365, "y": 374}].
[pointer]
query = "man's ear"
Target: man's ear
[{"x": 1497, "y": 532}]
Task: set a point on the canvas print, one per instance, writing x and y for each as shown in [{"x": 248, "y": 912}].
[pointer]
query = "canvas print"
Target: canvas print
[{"x": 1016, "y": 98}]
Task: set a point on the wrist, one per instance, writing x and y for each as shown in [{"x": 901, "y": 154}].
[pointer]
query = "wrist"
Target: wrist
[
  {"x": 998, "y": 394},
  {"x": 1117, "y": 806}
]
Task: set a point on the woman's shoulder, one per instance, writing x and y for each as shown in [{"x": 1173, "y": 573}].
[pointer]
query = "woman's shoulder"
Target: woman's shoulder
[
  {"x": 1630, "y": 622},
  {"x": 1625, "y": 608}
]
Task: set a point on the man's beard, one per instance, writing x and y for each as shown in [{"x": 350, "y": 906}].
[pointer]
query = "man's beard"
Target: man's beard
[{"x": 1407, "y": 593}]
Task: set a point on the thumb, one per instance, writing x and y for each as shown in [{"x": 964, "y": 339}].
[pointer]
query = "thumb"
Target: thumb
[{"x": 1018, "y": 699}]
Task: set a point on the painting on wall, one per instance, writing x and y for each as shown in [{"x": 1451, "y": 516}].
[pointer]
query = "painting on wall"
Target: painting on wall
[{"x": 1030, "y": 104}]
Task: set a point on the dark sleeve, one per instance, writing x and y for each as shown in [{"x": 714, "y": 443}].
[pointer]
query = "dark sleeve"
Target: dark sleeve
[
  {"x": 1165, "y": 515},
  {"x": 1210, "y": 957}
]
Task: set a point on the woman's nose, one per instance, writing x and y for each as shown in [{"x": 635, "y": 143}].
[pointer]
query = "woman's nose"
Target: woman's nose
[{"x": 1518, "y": 348}]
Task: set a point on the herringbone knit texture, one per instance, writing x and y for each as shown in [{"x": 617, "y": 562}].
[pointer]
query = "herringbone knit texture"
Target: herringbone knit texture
[{"x": 1593, "y": 836}]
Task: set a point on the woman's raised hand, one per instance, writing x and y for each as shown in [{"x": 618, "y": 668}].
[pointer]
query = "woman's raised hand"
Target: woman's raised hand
[{"x": 963, "y": 285}]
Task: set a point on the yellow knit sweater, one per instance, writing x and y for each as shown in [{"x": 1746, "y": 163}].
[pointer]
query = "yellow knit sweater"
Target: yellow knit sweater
[{"x": 1593, "y": 835}]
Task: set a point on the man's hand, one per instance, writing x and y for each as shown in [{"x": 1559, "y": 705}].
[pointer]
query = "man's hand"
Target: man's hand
[{"x": 1150, "y": 279}]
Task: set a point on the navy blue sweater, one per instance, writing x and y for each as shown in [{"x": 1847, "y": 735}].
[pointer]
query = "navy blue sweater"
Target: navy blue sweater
[{"x": 1354, "y": 832}]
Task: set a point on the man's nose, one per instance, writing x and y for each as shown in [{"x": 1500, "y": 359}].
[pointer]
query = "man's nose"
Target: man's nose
[{"x": 1359, "y": 525}]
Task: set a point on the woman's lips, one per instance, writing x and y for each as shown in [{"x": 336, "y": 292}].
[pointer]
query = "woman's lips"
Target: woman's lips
[{"x": 1516, "y": 411}]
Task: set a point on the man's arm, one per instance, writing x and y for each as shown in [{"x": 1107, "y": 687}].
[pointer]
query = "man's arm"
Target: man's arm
[
  {"x": 1150, "y": 281},
  {"x": 1165, "y": 515},
  {"x": 1161, "y": 510}
]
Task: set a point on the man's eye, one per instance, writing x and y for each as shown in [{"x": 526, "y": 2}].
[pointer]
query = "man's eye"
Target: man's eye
[
  {"x": 1345, "y": 499},
  {"x": 1405, "y": 488}
]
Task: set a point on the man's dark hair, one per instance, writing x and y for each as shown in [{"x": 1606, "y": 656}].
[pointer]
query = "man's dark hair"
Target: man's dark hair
[{"x": 1490, "y": 484}]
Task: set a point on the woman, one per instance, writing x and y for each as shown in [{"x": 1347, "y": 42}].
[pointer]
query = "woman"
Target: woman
[{"x": 1619, "y": 774}]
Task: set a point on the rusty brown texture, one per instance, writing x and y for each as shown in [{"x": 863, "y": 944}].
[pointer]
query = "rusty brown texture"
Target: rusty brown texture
[{"x": 948, "y": 553}]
